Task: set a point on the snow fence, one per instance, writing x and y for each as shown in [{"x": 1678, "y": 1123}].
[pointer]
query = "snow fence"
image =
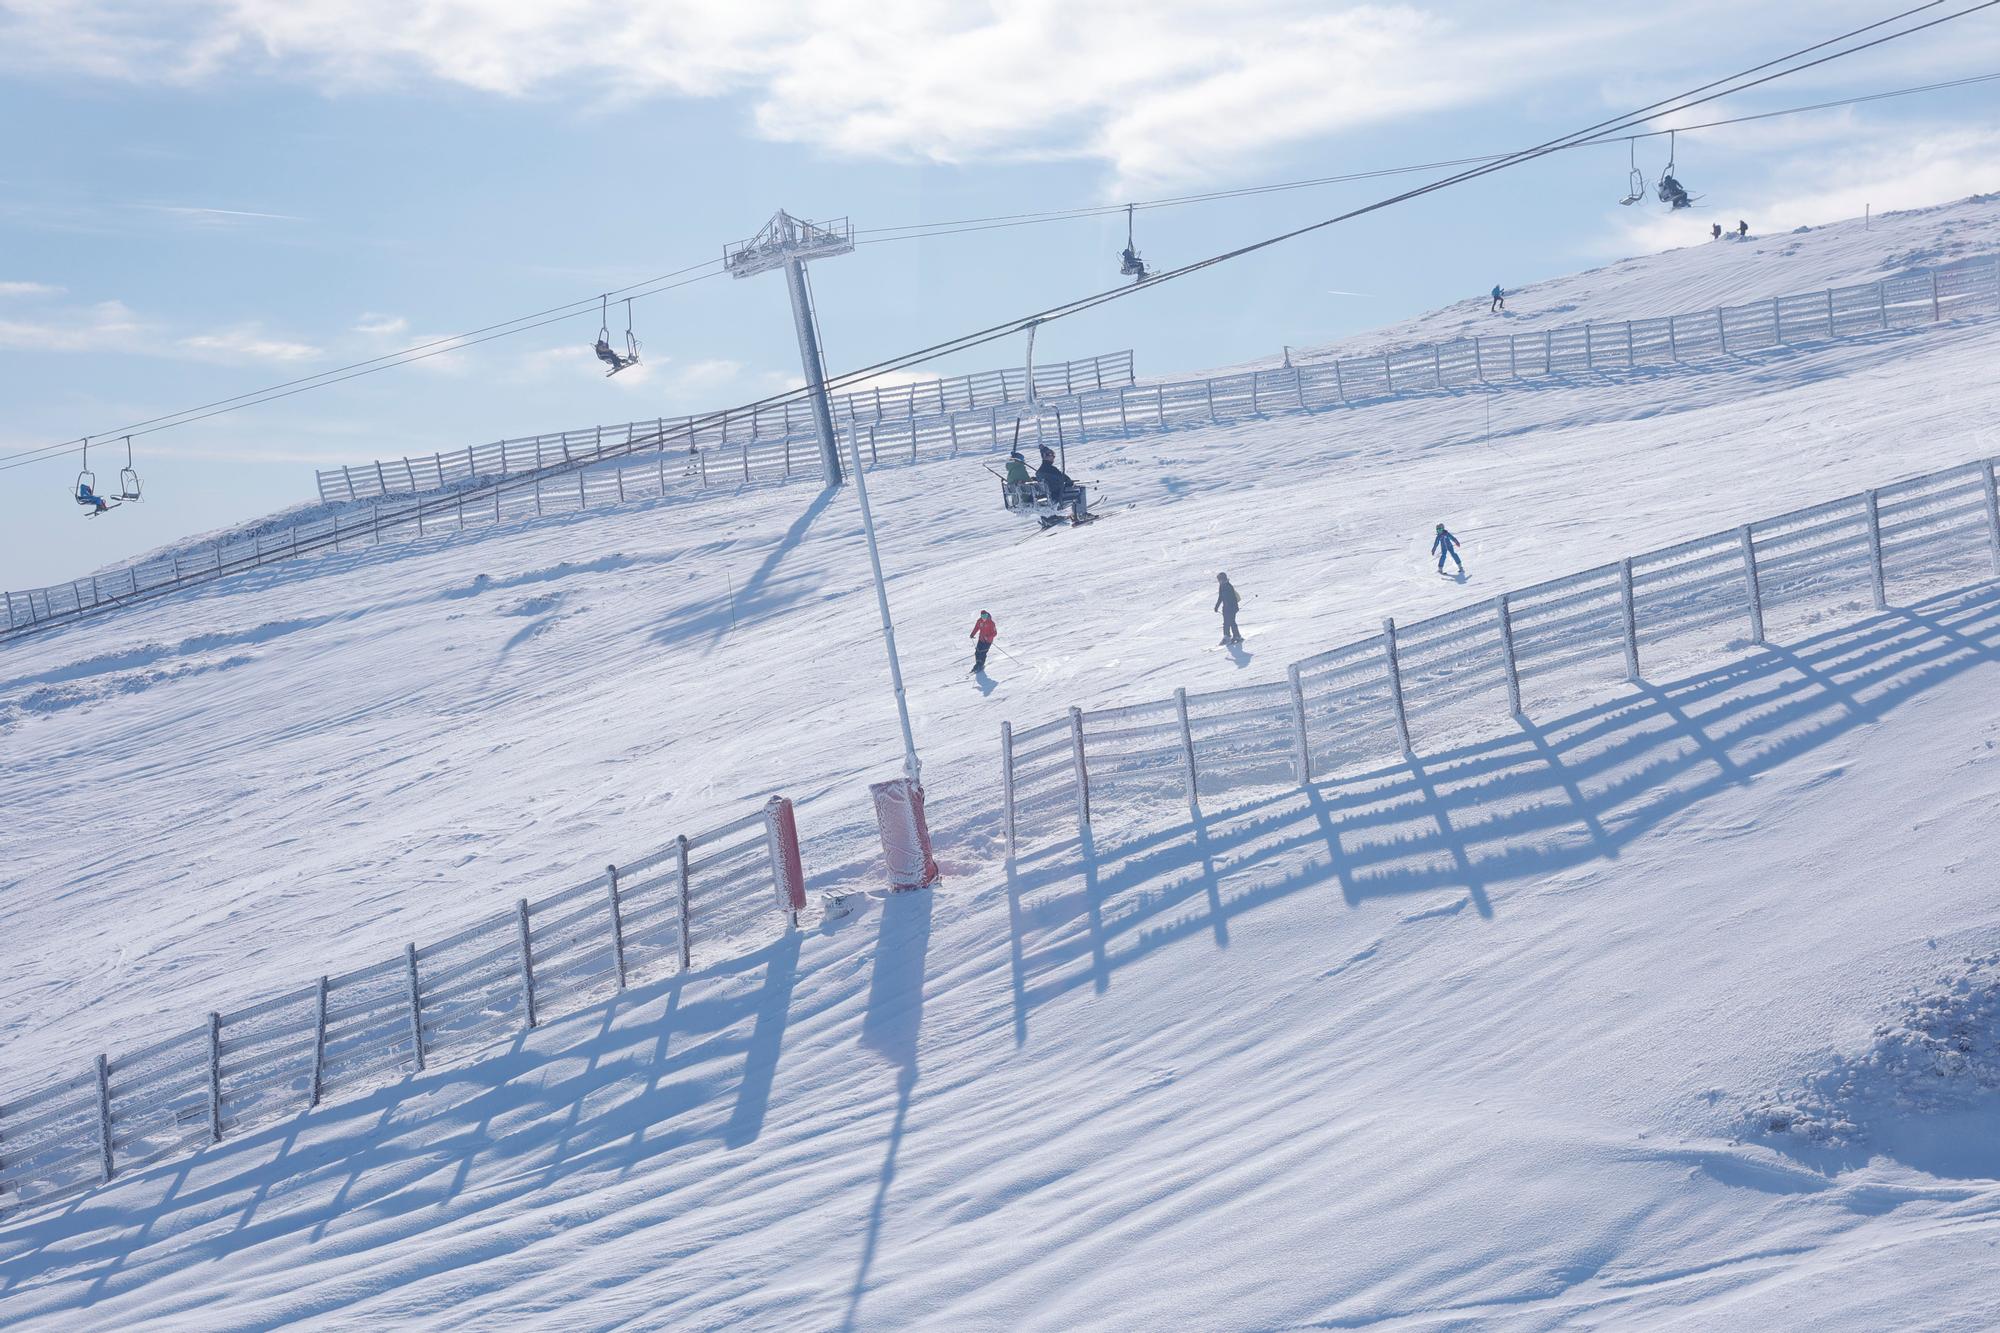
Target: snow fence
[
  {"x": 714, "y": 895},
  {"x": 1456, "y": 675},
  {"x": 572, "y": 478},
  {"x": 790, "y": 422}
]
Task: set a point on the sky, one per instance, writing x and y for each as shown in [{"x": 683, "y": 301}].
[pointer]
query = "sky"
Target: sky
[{"x": 199, "y": 198}]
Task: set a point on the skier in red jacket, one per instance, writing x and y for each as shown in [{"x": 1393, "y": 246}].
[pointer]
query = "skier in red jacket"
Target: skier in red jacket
[{"x": 985, "y": 631}]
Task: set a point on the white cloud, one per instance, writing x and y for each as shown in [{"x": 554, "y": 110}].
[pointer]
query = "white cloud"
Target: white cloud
[
  {"x": 29, "y": 289},
  {"x": 1162, "y": 90},
  {"x": 392, "y": 327},
  {"x": 247, "y": 344},
  {"x": 215, "y": 216}
]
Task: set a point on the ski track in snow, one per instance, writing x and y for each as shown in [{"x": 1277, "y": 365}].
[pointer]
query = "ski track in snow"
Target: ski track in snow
[{"x": 1466, "y": 1043}]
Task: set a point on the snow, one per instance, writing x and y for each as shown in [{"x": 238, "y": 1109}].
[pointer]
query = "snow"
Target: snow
[{"x": 1492, "y": 1038}]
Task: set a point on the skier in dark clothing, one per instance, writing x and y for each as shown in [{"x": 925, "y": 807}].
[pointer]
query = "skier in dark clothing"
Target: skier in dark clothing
[
  {"x": 1226, "y": 601},
  {"x": 985, "y": 631},
  {"x": 1499, "y": 300},
  {"x": 1715, "y": 231},
  {"x": 1742, "y": 230},
  {"x": 1059, "y": 488},
  {"x": 1444, "y": 544}
]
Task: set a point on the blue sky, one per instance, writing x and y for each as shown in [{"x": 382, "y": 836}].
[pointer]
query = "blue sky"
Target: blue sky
[{"x": 201, "y": 197}]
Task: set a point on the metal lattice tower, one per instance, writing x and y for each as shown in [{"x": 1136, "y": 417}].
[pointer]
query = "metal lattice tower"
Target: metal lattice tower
[{"x": 787, "y": 242}]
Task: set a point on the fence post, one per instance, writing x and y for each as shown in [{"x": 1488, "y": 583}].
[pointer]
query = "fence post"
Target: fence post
[
  {"x": 1589, "y": 348},
  {"x": 1875, "y": 550},
  {"x": 1339, "y": 384},
  {"x": 1007, "y": 783},
  {"x": 1628, "y": 344},
  {"x": 1254, "y": 375},
  {"x": 319, "y": 1044},
  {"x": 104, "y": 1114},
  {"x": 1160, "y": 403},
  {"x": 1513, "y": 366},
  {"x": 416, "y": 1005},
  {"x": 1673, "y": 344},
  {"x": 1209, "y": 385},
  {"x": 1992, "y": 511},
  {"x": 1548, "y": 351},
  {"x": 1750, "y": 577},
  {"x": 1505, "y": 617},
  {"x": 1082, "y": 773},
  {"x": 1935, "y": 315},
  {"x": 1303, "y": 756},
  {"x": 1777, "y": 321},
  {"x": 687, "y": 914},
  {"x": 1437, "y": 368},
  {"x": 1124, "y": 426},
  {"x": 1829, "y": 312},
  {"x": 538, "y": 495},
  {"x": 1721, "y": 331},
  {"x": 1882, "y": 302},
  {"x": 617, "y": 927},
  {"x": 214, "y": 1077},
  {"x": 1396, "y": 684},
  {"x": 527, "y": 966},
  {"x": 1187, "y": 751},
  {"x": 1629, "y": 605},
  {"x": 746, "y": 457},
  {"x": 1299, "y": 386}
]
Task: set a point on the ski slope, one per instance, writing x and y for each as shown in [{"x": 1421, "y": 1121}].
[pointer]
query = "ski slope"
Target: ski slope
[{"x": 1495, "y": 1038}]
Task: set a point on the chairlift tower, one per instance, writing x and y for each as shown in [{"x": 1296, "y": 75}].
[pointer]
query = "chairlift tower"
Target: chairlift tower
[{"x": 787, "y": 242}]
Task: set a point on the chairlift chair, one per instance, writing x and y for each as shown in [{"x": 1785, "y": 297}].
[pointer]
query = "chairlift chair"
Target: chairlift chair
[
  {"x": 631, "y": 343},
  {"x": 1635, "y": 187},
  {"x": 603, "y": 348},
  {"x": 85, "y": 492},
  {"x": 1130, "y": 264},
  {"x": 1671, "y": 192},
  {"x": 128, "y": 478}
]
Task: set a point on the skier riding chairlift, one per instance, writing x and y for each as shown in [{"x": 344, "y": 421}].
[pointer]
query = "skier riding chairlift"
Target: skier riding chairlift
[
  {"x": 86, "y": 486},
  {"x": 1130, "y": 265},
  {"x": 603, "y": 348}
]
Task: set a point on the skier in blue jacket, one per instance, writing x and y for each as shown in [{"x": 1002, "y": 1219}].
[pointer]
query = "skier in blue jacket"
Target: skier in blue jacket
[
  {"x": 1444, "y": 544},
  {"x": 1499, "y": 300}
]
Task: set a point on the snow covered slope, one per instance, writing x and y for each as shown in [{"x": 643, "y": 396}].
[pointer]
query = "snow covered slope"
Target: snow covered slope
[
  {"x": 1497, "y": 1036},
  {"x": 1703, "y": 274}
]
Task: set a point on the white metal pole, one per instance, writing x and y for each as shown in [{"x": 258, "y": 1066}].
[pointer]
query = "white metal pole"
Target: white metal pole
[{"x": 911, "y": 766}]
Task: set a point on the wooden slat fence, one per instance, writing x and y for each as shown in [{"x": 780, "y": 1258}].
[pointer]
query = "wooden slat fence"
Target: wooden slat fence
[
  {"x": 707, "y": 897},
  {"x": 1469, "y": 669}
]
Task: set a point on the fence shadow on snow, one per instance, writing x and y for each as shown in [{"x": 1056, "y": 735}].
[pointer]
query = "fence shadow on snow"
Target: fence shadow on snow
[
  {"x": 601, "y": 1092},
  {"x": 1547, "y": 796}
]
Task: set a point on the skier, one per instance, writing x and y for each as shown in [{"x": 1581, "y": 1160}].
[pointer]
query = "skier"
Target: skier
[
  {"x": 86, "y": 496},
  {"x": 1742, "y": 230},
  {"x": 610, "y": 358},
  {"x": 1059, "y": 488},
  {"x": 1226, "y": 601},
  {"x": 1672, "y": 194},
  {"x": 1715, "y": 231},
  {"x": 1017, "y": 479},
  {"x": 985, "y": 631},
  {"x": 1499, "y": 300},
  {"x": 1444, "y": 544}
]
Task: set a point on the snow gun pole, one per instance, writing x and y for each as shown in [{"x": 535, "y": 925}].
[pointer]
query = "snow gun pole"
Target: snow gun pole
[{"x": 911, "y": 767}]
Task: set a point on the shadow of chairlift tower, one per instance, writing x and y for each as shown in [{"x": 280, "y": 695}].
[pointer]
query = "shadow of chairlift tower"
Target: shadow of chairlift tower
[{"x": 94, "y": 501}]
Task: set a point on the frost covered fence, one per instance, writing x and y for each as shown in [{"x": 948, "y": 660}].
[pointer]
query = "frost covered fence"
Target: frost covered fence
[
  {"x": 1451, "y": 677},
  {"x": 714, "y": 893},
  {"x": 791, "y": 421},
  {"x": 1920, "y": 296},
  {"x": 579, "y": 480}
]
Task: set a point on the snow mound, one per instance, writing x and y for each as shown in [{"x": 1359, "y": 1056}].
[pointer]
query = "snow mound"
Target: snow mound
[{"x": 1940, "y": 1056}]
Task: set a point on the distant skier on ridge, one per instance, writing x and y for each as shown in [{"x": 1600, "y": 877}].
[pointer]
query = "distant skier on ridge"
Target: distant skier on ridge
[
  {"x": 1444, "y": 544},
  {"x": 985, "y": 631},
  {"x": 1226, "y": 601},
  {"x": 1499, "y": 300}
]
